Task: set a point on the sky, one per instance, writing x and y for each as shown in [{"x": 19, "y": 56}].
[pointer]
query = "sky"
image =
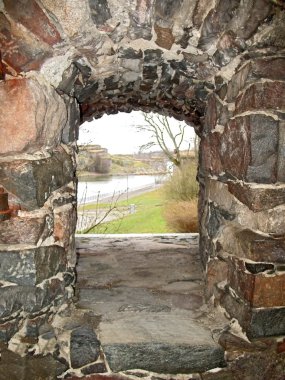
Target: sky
[{"x": 118, "y": 133}]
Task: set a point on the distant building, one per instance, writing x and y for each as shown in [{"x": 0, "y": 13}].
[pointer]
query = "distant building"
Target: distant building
[{"x": 94, "y": 159}]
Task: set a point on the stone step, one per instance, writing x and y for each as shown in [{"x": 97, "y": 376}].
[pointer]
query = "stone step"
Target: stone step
[{"x": 158, "y": 342}]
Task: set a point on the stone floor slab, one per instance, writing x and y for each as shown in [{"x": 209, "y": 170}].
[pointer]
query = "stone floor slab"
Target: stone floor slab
[
  {"x": 159, "y": 342},
  {"x": 148, "y": 293}
]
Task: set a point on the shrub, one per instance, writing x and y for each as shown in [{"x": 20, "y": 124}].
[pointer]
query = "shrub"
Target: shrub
[
  {"x": 182, "y": 186},
  {"x": 181, "y": 192},
  {"x": 182, "y": 216}
]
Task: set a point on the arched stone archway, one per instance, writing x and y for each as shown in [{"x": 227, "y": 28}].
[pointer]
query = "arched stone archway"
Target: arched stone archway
[{"x": 218, "y": 65}]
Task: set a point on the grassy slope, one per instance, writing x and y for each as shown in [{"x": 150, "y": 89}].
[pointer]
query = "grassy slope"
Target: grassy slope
[
  {"x": 147, "y": 219},
  {"x": 124, "y": 164}
]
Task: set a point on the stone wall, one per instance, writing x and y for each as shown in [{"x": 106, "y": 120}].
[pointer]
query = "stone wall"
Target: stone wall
[
  {"x": 243, "y": 194},
  {"x": 37, "y": 172},
  {"x": 218, "y": 65}
]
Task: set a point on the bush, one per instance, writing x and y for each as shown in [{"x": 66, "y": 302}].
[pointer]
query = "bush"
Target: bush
[
  {"x": 181, "y": 192},
  {"x": 182, "y": 186},
  {"x": 182, "y": 216}
]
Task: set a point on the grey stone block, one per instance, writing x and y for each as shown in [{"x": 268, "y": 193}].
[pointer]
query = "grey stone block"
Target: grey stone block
[
  {"x": 161, "y": 342},
  {"x": 256, "y": 322},
  {"x": 163, "y": 358},
  {"x": 32, "y": 182},
  {"x": 84, "y": 347},
  {"x": 32, "y": 266}
]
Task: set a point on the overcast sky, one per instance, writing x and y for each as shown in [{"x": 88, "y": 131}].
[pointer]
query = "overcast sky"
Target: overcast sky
[{"x": 118, "y": 132}]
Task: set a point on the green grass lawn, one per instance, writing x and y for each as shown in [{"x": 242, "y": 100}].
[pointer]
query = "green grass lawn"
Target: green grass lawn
[
  {"x": 148, "y": 217},
  {"x": 151, "y": 198}
]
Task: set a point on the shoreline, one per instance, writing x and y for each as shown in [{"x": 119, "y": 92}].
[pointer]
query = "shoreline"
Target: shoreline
[
  {"x": 123, "y": 196},
  {"x": 130, "y": 194},
  {"x": 88, "y": 175}
]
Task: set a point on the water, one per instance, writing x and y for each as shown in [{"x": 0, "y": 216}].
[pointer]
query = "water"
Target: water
[{"x": 107, "y": 185}]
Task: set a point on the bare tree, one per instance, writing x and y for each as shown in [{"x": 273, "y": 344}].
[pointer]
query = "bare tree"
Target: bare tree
[
  {"x": 100, "y": 218},
  {"x": 91, "y": 220},
  {"x": 170, "y": 140}
]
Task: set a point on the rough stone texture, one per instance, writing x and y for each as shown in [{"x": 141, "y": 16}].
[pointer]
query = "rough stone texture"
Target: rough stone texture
[
  {"x": 33, "y": 181},
  {"x": 165, "y": 37},
  {"x": 281, "y": 153},
  {"x": 26, "y": 53},
  {"x": 100, "y": 11},
  {"x": 238, "y": 216},
  {"x": 253, "y": 245},
  {"x": 70, "y": 132},
  {"x": 217, "y": 216},
  {"x": 162, "y": 358},
  {"x": 31, "y": 266},
  {"x": 63, "y": 196},
  {"x": 32, "y": 116},
  {"x": 262, "y": 96},
  {"x": 64, "y": 224},
  {"x": 131, "y": 300},
  {"x": 3, "y": 200},
  {"x": 94, "y": 368},
  {"x": 238, "y": 82},
  {"x": 132, "y": 285},
  {"x": 257, "y": 322},
  {"x": 216, "y": 21},
  {"x": 15, "y": 367},
  {"x": 252, "y": 154},
  {"x": 217, "y": 271},
  {"x": 258, "y": 198},
  {"x": 216, "y": 64},
  {"x": 265, "y": 68},
  {"x": 8, "y": 329},
  {"x": 262, "y": 289},
  {"x": 263, "y": 164},
  {"x": 32, "y": 16},
  {"x": 257, "y": 360},
  {"x": 29, "y": 299},
  {"x": 140, "y": 20},
  {"x": 84, "y": 347},
  {"x": 34, "y": 327},
  {"x": 71, "y": 17},
  {"x": 29, "y": 228},
  {"x": 270, "y": 68},
  {"x": 102, "y": 377}
]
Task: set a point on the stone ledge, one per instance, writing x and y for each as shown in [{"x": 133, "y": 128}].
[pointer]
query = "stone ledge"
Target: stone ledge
[
  {"x": 163, "y": 358},
  {"x": 191, "y": 236},
  {"x": 158, "y": 342}
]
